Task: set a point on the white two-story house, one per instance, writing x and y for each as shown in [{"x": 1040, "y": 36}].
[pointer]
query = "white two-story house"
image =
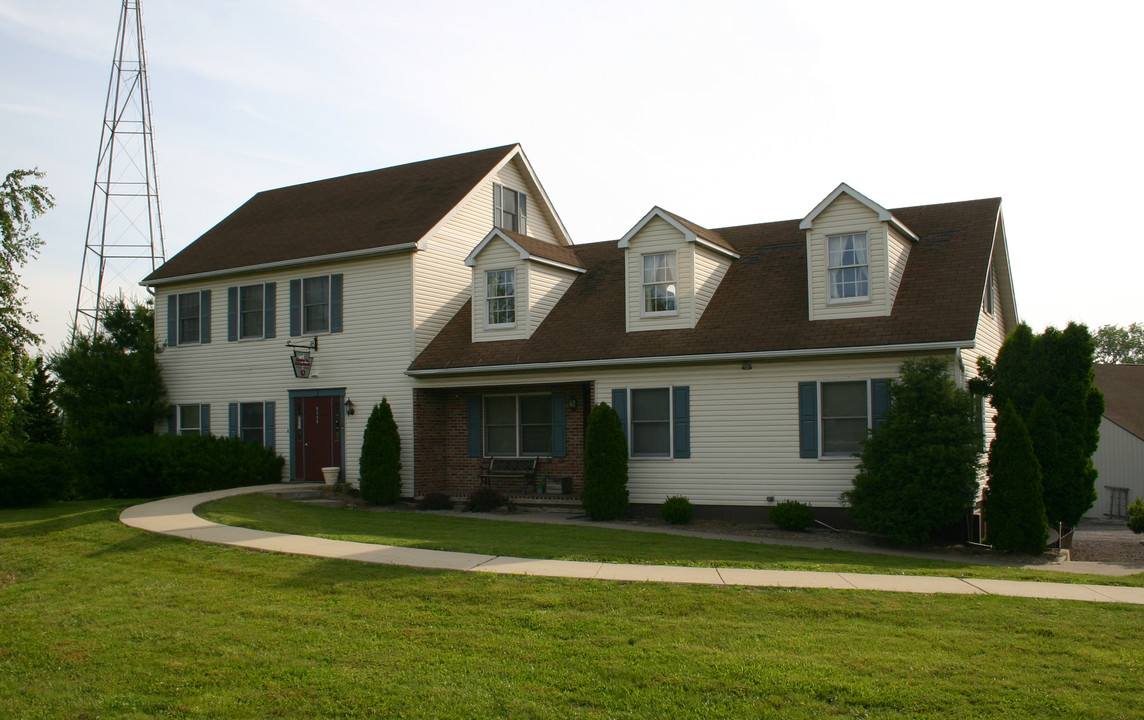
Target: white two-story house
[{"x": 747, "y": 363}]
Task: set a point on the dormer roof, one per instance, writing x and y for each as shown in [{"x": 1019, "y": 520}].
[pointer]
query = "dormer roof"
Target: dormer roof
[
  {"x": 884, "y": 215},
  {"x": 691, "y": 232},
  {"x": 530, "y": 249}
]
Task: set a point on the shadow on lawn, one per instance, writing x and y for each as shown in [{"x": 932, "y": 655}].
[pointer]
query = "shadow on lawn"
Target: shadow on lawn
[{"x": 55, "y": 518}]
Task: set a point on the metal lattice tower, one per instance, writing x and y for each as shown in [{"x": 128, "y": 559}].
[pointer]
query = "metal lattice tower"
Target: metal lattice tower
[{"x": 124, "y": 225}]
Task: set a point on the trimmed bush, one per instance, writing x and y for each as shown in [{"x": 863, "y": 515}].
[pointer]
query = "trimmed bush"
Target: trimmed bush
[
  {"x": 1136, "y": 516},
  {"x": 157, "y": 465},
  {"x": 677, "y": 510},
  {"x": 435, "y": 501},
  {"x": 35, "y": 473},
  {"x": 485, "y": 499},
  {"x": 380, "y": 462},
  {"x": 605, "y": 494},
  {"x": 792, "y": 515},
  {"x": 1014, "y": 505}
]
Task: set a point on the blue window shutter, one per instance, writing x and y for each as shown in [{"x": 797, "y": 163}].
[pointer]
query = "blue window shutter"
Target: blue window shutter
[
  {"x": 268, "y": 424},
  {"x": 880, "y": 400},
  {"x": 681, "y": 427},
  {"x": 496, "y": 205},
  {"x": 559, "y": 428},
  {"x": 269, "y": 309},
  {"x": 172, "y": 422},
  {"x": 172, "y": 320},
  {"x": 620, "y": 405},
  {"x": 475, "y": 426},
  {"x": 205, "y": 316},
  {"x": 523, "y": 203},
  {"x": 232, "y": 417},
  {"x": 205, "y": 419},
  {"x": 336, "y": 303},
  {"x": 295, "y": 307},
  {"x": 231, "y": 314},
  {"x": 808, "y": 419}
]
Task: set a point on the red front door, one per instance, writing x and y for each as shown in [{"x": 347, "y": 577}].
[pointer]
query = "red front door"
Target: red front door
[{"x": 317, "y": 436}]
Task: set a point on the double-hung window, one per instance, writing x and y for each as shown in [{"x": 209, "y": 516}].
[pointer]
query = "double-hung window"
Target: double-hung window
[
  {"x": 518, "y": 425},
  {"x": 510, "y": 208},
  {"x": 189, "y": 311},
  {"x": 656, "y": 421},
  {"x": 315, "y": 305},
  {"x": 845, "y": 417},
  {"x": 190, "y": 420},
  {"x": 250, "y": 308},
  {"x": 849, "y": 267},
  {"x": 659, "y": 291},
  {"x": 250, "y": 425},
  {"x": 500, "y": 298}
]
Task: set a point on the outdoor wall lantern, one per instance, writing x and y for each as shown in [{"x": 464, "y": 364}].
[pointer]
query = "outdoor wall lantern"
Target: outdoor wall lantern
[{"x": 349, "y": 407}]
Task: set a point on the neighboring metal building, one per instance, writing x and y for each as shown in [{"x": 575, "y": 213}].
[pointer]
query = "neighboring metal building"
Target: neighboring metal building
[{"x": 1120, "y": 456}]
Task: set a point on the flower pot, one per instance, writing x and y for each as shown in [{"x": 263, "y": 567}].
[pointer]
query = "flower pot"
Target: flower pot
[{"x": 331, "y": 474}]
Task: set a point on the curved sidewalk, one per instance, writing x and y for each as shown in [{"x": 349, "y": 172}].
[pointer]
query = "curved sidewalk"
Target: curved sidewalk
[{"x": 175, "y": 516}]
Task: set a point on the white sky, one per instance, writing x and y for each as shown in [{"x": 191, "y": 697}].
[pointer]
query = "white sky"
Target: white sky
[{"x": 726, "y": 113}]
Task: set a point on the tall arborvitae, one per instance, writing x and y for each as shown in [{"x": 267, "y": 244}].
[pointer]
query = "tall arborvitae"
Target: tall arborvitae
[
  {"x": 39, "y": 417},
  {"x": 380, "y": 463},
  {"x": 605, "y": 493},
  {"x": 1014, "y": 509}
]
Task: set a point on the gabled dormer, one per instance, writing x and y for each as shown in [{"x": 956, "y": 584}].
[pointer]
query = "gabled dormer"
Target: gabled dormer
[
  {"x": 856, "y": 254},
  {"x": 516, "y": 282},
  {"x": 671, "y": 269}
]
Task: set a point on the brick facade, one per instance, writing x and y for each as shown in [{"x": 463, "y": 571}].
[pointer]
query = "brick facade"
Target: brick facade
[{"x": 441, "y": 439}]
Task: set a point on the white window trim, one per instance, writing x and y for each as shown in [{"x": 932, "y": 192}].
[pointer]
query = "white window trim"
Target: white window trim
[
  {"x": 179, "y": 319},
  {"x": 179, "y": 427},
  {"x": 670, "y": 424},
  {"x": 262, "y": 422},
  {"x": 485, "y": 423},
  {"x": 262, "y": 324},
  {"x": 644, "y": 312},
  {"x": 500, "y": 326},
  {"x": 821, "y": 417},
  {"x": 869, "y": 281},
  {"x": 302, "y": 305}
]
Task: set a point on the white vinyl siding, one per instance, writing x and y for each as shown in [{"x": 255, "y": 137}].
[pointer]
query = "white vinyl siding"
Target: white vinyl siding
[
  {"x": 540, "y": 224},
  {"x": 709, "y": 271},
  {"x": 369, "y": 362},
  {"x": 743, "y": 428},
  {"x": 659, "y": 236},
  {"x": 846, "y": 216},
  {"x": 898, "y": 256},
  {"x": 496, "y": 256},
  {"x": 546, "y": 285}
]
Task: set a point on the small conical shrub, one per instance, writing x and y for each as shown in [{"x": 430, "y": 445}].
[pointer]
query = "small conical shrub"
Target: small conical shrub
[
  {"x": 1014, "y": 504},
  {"x": 605, "y": 494},
  {"x": 381, "y": 457}
]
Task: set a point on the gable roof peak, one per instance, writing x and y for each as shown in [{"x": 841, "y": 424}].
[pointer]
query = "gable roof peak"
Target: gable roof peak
[
  {"x": 530, "y": 248},
  {"x": 883, "y": 214},
  {"x": 691, "y": 231}
]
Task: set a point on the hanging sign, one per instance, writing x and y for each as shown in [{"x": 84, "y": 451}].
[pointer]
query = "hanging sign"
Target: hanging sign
[{"x": 302, "y": 363}]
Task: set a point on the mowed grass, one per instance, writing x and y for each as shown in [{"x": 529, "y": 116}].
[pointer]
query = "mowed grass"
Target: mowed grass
[
  {"x": 104, "y": 621},
  {"x": 597, "y": 544}
]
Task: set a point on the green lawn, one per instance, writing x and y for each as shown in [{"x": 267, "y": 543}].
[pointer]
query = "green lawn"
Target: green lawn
[
  {"x": 104, "y": 621},
  {"x": 521, "y": 539}
]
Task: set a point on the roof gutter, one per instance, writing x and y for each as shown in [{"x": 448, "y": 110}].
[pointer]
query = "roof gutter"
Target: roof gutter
[
  {"x": 350, "y": 255},
  {"x": 714, "y": 357}
]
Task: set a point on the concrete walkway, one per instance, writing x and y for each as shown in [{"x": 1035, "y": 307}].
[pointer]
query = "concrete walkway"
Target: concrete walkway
[{"x": 175, "y": 516}]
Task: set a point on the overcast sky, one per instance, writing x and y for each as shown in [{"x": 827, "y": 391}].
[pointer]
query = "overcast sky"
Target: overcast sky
[{"x": 726, "y": 113}]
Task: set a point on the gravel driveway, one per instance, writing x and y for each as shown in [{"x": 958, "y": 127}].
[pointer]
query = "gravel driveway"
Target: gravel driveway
[{"x": 1107, "y": 541}]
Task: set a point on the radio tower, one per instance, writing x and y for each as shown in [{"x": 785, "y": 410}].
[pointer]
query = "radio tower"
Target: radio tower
[{"x": 124, "y": 225}]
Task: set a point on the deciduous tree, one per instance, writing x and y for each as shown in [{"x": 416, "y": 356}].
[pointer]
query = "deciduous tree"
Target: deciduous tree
[{"x": 1116, "y": 344}]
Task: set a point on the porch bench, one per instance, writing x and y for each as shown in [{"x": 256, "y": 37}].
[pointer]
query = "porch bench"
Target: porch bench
[{"x": 504, "y": 468}]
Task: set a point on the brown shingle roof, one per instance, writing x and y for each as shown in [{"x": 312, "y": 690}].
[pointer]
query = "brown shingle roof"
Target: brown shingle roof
[
  {"x": 761, "y": 304},
  {"x": 546, "y": 250},
  {"x": 363, "y": 211},
  {"x": 711, "y": 236},
  {"x": 1123, "y": 388}
]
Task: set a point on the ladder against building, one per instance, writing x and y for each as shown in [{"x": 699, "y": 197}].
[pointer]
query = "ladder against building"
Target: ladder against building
[{"x": 124, "y": 227}]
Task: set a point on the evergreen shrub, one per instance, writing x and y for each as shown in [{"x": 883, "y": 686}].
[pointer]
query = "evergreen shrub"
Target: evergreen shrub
[
  {"x": 677, "y": 510},
  {"x": 792, "y": 515},
  {"x": 1136, "y": 516},
  {"x": 1014, "y": 505},
  {"x": 435, "y": 501},
  {"x": 485, "y": 499},
  {"x": 35, "y": 473},
  {"x": 605, "y": 494},
  {"x": 380, "y": 463}
]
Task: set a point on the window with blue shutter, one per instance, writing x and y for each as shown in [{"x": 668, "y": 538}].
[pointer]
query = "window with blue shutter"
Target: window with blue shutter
[
  {"x": 231, "y": 314},
  {"x": 268, "y": 418},
  {"x": 295, "y": 308},
  {"x": 559, "y": 431},
  {"x": 808, "y": 419},
  {"x": 270, "y": 314},
  {"x": 172, "y": 320},
  {"x": 205, "y": 317},
  {"x": 474, "y": 422},
  {"x": 232, "y": 420},
  {"x": 204, "y": 419},
  {"x": 879, "y": 400},
  {"x": 336, "y": 303},
  {"x": 681, "y": 422}
]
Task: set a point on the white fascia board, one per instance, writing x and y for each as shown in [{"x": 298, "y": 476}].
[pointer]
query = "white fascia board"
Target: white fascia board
[
  {"x": 659, "y": 212},
  {"x": 556, "y": 264},
  {"x": 714, "y": 357},
  {"x": 1010, "y": 297},
  {"x": 471, "y": 260},
  {"x": 883, "y": 214},
  {"x": 282, "y": 264},
  {"x": 423, "y": 242},
  {"x": 544, "y": 194},
  {"x": 712, "y": 246}
]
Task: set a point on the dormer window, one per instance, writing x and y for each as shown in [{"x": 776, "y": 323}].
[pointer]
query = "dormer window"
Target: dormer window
[
  {"x": 849, "y": 267},
  {"x": 510, "y": 208},
  {"x": 500, "y": 298},
  {"x": 659, "y": 290}
]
